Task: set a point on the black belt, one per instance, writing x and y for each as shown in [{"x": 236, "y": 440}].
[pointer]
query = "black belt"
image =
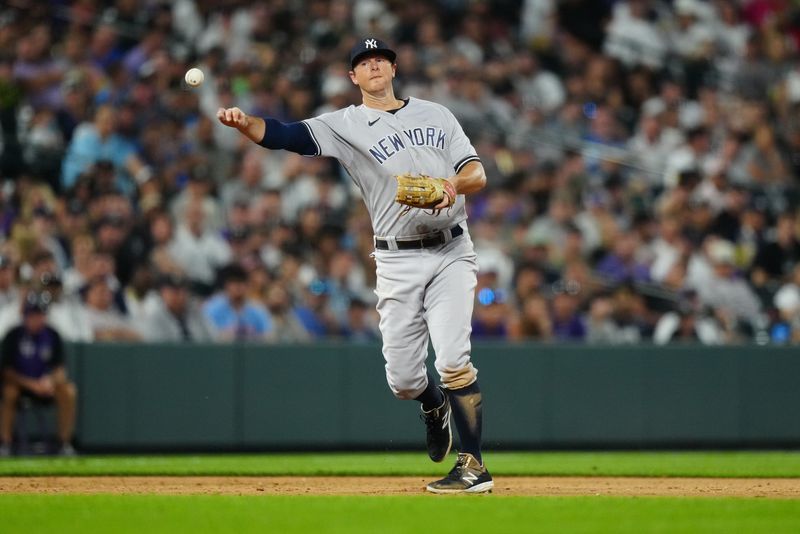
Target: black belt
[{"x": 433, "y": 240}]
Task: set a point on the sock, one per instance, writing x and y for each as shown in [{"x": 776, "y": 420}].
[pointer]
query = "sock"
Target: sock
[
  {"x": 466, "y": 404},
  {"x": 432, "y": 397}
]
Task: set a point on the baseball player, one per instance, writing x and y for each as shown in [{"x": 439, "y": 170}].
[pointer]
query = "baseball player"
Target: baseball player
[{"x": 425, "y": 261}]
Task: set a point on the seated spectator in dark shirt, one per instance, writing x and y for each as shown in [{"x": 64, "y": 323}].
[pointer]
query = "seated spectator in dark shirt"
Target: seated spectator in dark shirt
[
  {"x": 621, "y": 264},
  {"x": 776, "y": 259},
  {"x": 568, "y": 325},
  {"x": 617, "y": 318},
  {"x": 314, "y": 313},
  {"x": 33, "y": 365},
  {"x": 360, "y": 327},
  {"x": 729, "y": 221}
]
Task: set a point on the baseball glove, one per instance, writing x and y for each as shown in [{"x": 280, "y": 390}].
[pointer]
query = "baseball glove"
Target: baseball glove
[{"x": 422, "y": 191}]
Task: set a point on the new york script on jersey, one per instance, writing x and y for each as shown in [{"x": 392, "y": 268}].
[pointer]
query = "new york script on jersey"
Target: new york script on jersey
[{"x": 394, "y": 143}]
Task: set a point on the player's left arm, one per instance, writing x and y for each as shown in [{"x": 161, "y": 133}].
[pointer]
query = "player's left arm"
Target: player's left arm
[
  {"x": 469, "y": 175},
  {"x": 470, "y": 179}
]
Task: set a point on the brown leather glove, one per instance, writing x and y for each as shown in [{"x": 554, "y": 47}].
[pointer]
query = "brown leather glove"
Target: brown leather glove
[{"x": 422, "y": 191}]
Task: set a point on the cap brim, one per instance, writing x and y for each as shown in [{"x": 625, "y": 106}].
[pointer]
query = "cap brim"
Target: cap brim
[{"x": 389, "y": 54}]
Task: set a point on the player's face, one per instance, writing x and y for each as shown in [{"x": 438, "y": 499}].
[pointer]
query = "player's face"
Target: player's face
[
  {"x": 373, "y": 72},
  {"x": 35, "y": 321}
]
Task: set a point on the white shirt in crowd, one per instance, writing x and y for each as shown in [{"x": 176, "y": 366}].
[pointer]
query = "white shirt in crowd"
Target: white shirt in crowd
[{"x": 199, "y": 256}]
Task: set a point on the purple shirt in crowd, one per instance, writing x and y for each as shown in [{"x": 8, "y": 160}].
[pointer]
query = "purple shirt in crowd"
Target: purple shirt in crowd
[{"x": 571, "y": 329}]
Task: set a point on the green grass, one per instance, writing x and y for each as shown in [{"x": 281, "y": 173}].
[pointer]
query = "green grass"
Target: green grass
[
  {"x": 399, "y": 514},
  {"x": 656, "y": 464},
  {"x": 417, "y": 514}
]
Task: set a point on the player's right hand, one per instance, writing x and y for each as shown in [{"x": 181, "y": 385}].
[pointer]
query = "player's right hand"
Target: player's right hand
[{"x": 233, "y": 117}]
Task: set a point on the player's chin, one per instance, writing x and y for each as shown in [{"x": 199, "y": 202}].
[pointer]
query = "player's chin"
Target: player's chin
[{"x": 377, "y": 84}]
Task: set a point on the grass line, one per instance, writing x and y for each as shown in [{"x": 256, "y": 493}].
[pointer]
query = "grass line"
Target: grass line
[{"x": 774, "y": 464}]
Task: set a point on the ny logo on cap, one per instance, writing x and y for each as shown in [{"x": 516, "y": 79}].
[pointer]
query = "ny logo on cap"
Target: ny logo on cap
[{"x": 371, "y": 43}]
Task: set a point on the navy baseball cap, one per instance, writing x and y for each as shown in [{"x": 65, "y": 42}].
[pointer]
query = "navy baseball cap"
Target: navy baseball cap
[{"x": 370, "y": 45}]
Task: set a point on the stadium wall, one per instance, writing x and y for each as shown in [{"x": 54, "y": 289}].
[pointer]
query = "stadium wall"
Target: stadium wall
[{"x": 333, "y": 396}]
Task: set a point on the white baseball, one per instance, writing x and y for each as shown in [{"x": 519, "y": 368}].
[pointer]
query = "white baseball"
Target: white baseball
[{"x": 194, "y": 76}]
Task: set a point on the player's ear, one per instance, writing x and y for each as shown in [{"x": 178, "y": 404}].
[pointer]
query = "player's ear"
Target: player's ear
[{"x": 353, "y": 77}]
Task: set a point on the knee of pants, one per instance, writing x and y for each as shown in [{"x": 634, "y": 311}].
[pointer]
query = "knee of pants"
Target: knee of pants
[
  {"x": 10, "y": 393},
  {"x": 407, "y": 388},
  {"x": 457, "y": 378}
]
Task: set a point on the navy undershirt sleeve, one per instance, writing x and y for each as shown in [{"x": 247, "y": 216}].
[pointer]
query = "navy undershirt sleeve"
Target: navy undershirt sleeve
[{"x": 291, "y": 136}]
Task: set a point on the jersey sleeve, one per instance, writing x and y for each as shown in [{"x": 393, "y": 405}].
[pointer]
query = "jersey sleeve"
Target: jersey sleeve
[
  {"x": 292, "y": 136},
  {"x": 325, "y": 134},
  {"x": 461, "y": 149}
]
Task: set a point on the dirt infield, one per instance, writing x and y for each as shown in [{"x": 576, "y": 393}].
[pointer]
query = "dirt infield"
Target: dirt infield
[{"x": 526, "y": 486}]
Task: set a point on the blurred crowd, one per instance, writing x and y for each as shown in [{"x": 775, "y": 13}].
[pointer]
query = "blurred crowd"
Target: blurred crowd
[{"x": 642, "y": 157}]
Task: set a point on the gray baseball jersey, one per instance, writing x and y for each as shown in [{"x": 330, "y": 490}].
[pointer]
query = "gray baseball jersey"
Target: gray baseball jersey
[{"x": 373, "y": 145}]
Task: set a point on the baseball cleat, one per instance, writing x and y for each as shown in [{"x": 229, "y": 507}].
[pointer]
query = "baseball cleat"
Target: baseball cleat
[
  {"x": 468, "y": 476},
  {"x": 439, "y": 436}
]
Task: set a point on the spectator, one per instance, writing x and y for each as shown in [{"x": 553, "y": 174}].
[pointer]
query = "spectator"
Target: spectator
[
  {"x": 176, "y": 316},
  {"x": 618, "y": 318},
  {"x": 765, "y": 161},
  {"x": 633, "y": 38},
  {"x": 140, "y": 296},
  {"x": 534, "y": 320},
  {"x": 653, "y": 143},
  {"x": 232, "y": 316},
  {"x": 197, "y": 192},
  {"x": 361, "y": 325},
  {"x": 33, "y": 365},
  {"x": 287, "y": 325},
  {"x": 98, "y": 141},
  {"x": 105, "y": 319},
  {"x": 39, "y": 272},
  {"x": 82, "y": 267},
  {"x": 490, "y": 319},
  {"x": 197, "y": 249},
  {"x": 689, "y": 323},
  {"x": 314, "y": 313},
  {"x": 250, "y": 182},
  {"x": 611, "y": 118},
  {"x": 9, "y": 292},
  {"x": 777, "y": 258},
  {"x": 621, "y": 265},
  {"x": 787, "y": 302},
  {"x": 36, "y": 70},
  {"x": 568, "y": 324},
  {"x": 725, "y": 291},
  {"x": 66, "y": 313}
]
